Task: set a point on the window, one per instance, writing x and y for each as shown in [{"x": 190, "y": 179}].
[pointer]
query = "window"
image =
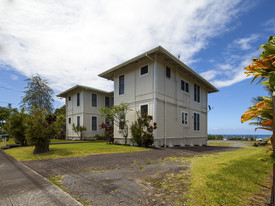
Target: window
[
  {"x": 196, "y": 121},
  {"x": 121, "y": 85},
  {"x": 168, "y": 72},
  {"x": 94, "y": 100},
  {"x": 78, "y": 121},
  {"x": 144, "y": 70},
  {"x": 144, "y": 109},
  {"x": 184, "y": 118},
  {"x": 69, "y": 98},
  {"x": 184, "y": 86},
  {"x": 94, "y": 123},
  {"x": 78, "y": 99},
  {"x": 107, "y": 102},
  {"x": 122, "y": 121},
  {"x": 70, "y": 120},
  {"x": 196, "y": 93}
]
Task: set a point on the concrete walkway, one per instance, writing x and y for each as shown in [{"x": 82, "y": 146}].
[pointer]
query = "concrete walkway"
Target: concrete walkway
[{"x": 19, "y": 185}]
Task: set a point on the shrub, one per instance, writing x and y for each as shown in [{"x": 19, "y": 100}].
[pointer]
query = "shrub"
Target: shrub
[
  {"x": 40, "y": 129},
  {"x": 15, "y": 127},
  {"x": 109, "y": 132},
  {"x": 79, "y": 130},
  {"x": 215, "y": 137},
  {"x": 142, "y": 130},
  {"x": 99, "y": 137}
]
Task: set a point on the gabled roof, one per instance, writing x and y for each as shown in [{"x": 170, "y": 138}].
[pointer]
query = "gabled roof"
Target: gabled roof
[
  {"x": 109, "y": 74},
  {"x": 63, "y": 94}
]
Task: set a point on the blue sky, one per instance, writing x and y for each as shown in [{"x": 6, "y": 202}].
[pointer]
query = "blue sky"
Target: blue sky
[{"x": 70, "y": 42}]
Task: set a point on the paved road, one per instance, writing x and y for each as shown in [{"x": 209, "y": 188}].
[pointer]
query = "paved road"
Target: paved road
[{"x": 19, "y": 185}]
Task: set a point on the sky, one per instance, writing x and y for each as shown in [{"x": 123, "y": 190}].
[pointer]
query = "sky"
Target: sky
[{"x": 70, "y": 42}]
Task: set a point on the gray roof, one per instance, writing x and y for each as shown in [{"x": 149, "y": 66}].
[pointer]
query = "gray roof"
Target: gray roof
[
  {"x": 63, "y": 94},
  {"x": 109, "y": 74}
]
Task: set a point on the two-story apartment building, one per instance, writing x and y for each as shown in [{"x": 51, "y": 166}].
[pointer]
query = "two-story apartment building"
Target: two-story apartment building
[
  {"x": 82, "y": 104},
  {"x": 177, "y": 97}
]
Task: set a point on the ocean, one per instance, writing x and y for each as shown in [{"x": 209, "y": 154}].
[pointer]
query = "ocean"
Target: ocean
[{"x": 259, "y": 136}]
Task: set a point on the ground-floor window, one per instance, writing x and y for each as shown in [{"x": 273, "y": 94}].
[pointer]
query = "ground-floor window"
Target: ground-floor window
[
  {"x": 196, "y": 121},
  {"x": 122, "y": 121},
  {"x": 144, "y": 109},
  {"x": 184, "y": 118},
  {"x": 78, "y": 121},
  {"x": 94, "y": 123},
  {"x": 70, "y": 120}
]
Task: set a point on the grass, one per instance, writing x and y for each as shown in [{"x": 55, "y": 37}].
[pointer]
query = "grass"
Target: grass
[
  {"x": 229, "y": 178},
  {"x": 226, "y": 144},
  {"x": 70, "y": 150}
]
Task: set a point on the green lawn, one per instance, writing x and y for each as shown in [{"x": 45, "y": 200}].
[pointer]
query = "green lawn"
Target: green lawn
[
  {"x": 228, "y": 178},
  {"x": 70, "y": 150}
]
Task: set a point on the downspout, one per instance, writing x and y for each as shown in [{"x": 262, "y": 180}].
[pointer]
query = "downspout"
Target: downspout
[{"x": 165, "y": 141}]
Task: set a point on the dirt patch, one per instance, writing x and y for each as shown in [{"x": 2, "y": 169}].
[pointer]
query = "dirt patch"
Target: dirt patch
[{"x": 139, "y": 178}]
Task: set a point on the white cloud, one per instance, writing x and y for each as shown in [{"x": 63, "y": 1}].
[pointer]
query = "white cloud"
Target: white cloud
[
  {"x": 209, "y": 75},
  {"x": 270, "y": 25},
  {"x": 245, "y": 43},
  {"x": 70, "y": 42}
]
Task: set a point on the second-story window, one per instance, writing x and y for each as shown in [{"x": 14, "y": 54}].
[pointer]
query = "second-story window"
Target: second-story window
[
  {"x": 121, "y": 85},
  {"x": 78, "y": 99},
  {"x": 196, "y": 93},
  {"x": 168, "y": 72},
  {"x": 69, "y": 98},
  {"x": 184, "y": 86},
  {"x": 94, "y": 100},
  {"x": 144, "y": 70},
  {"x": 107, "y": 102}
]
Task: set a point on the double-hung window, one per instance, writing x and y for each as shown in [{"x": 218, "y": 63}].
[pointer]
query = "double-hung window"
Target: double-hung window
[
  {"x": 78, "y": 121},
  {"x": 122, "y": 121},
  {"x": 196, "y": 122},
  {"x": 94, "y": 100},
  {"x": 107, "y": 102},
  {"x": 94, "y": 123},
  {"x": 121, "y": 85},
  {"x": 184, "y": 86},
  {"x": 184, "y": 118},
  {"x": 78, "y": 99},
  {"x": 168, "y": 72},
  {"x": 196, "y": 93}
]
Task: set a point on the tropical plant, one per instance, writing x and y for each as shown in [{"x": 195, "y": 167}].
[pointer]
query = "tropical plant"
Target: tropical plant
[
  {"x": 37, "y": 95},
  {"x": 15, "y": 126},
  {"x": 109, "y": 132},
  {"x": 142, "y": 130},
  {"x": 263, "y": 69},
  {"x": 79, "y": 130},
  {"x": 40, "y": 129},
  {"x": 5, "y": 112},
  {"x": 117, "y": 115}
]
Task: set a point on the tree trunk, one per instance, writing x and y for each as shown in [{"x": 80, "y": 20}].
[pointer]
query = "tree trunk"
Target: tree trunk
[{"x": 41, "y": 149}]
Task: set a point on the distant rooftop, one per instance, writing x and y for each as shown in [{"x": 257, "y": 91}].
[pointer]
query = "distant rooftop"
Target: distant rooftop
[{"x": 63, "y": 94}]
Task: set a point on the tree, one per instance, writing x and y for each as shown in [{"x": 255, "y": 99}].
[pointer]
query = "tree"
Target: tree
[
  {"x": 142, "y": 130},
  {"x": 79, "y": 130},
  {"x": 117, "y": 115},
  {"x": 5, "y": 112},
  {"x": 60, "y": 123},
  {"x": 263, "y": 68},
  {"x": 15, "y": 126},
  {"x": 37, "y": 95},
  {"x": 40, "y": 129}
]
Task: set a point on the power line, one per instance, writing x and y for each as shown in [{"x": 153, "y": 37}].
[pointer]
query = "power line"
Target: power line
[{"x": 14, "y": 90}]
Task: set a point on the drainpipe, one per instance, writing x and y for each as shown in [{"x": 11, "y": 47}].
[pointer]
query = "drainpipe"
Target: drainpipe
[{"x": 155, "y": 93}]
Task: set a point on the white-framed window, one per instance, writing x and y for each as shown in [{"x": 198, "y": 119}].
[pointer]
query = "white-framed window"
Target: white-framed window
[
  {"x": 196, "y": 93},
  {"x": 94, "y": 100},
  {"x": 184, "y": 86},
  {"x": 121, "y": 84},
  {"x": 94, "y": 123},
  {"x": 184, "y": 118},
  {"x": 107, "y": 102},
  {"x": 144, "y": 109},
  {"x": 78, "y": 99},
  {"x": 78, "y": 121},
  {"x": 144, "y": 70},
  {"x": 122, "y": 121},
  {"x": 168, "y": 72},
  {"x": 196, "y": 121}
]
